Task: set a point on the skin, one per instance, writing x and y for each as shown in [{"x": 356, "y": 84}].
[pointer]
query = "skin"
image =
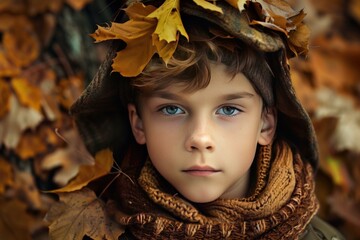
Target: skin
[{"x": 204, "y": 142}]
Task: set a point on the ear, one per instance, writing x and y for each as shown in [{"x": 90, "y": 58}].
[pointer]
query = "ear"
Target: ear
[
  {"x": 268, "y": 128},
  {"x": 136, "y": 124}
]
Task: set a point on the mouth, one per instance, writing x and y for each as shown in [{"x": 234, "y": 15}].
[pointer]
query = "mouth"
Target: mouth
[{"x": 201, "y": 171}]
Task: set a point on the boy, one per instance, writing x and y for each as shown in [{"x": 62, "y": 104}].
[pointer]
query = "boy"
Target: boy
[{"x": 212, "y": 141}]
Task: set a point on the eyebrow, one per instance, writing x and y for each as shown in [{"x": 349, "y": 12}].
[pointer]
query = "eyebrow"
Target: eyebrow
[
  {"x": 238, "y": 95},
  {"x": 165, "y": 95},
  {"x": 226, "y": 97}
]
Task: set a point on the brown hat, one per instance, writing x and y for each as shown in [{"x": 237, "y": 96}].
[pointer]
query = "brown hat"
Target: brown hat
[{"x": 102, "y": 117}]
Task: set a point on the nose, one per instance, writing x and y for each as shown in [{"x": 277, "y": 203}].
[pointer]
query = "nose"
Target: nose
[{"x": 200, "y": 138}]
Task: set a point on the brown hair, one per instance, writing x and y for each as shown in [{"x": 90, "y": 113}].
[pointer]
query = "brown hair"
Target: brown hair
[{"x": 190, "y": 65}]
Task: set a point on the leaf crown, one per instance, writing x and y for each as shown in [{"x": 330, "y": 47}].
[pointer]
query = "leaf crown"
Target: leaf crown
[{"x": 156, "y": 30}]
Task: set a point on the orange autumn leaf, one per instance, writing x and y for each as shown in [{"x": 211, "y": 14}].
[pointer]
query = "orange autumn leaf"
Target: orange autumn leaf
[
  {"x": 78, "y": 4},
  {"x": 30, "y": 145},
  {"x": 78, "y": 214},
  {"x": 88, "y": 173},
  {"x": 6, "y": 175},
  {"x": 137, "y": 34},
  {"x": 21, "y": 45},
  {"x": 7, "y": 69},
  {"x": 69, "y": 90},
  {"x": 15, "y": 222},
  {"x": 4, "y": 98},
  {"x": 28, "y": 94}
]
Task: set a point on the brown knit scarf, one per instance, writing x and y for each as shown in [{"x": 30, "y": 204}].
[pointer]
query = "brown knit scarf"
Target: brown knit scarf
[{"x": 280, "y": 206}]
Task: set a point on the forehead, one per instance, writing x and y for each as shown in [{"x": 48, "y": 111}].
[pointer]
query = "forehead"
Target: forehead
[{"x": 221, "y": 83}]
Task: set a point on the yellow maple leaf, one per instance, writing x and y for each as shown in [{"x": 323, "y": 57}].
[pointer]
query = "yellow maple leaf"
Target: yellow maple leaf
[
  {"x": 78, "y": 214},
  {"x": 88, "y": 173},
  {"x": 207, "y": 5},
  {"x": 169, "y": 21},
  {"x": 137, "y": 33},
  {"x": 165, "y": 49}
]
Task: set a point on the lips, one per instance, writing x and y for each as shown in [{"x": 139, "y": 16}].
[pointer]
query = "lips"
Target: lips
[{"x": 201, "y": 171}]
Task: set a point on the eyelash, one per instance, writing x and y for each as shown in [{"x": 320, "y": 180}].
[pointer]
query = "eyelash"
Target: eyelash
[
  {"x": 163, "y": 110},
  {"x": 233, "y": 109}
]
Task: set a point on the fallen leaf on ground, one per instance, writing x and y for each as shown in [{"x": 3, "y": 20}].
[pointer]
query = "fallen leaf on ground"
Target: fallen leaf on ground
[
  {"x": 7, "y": 69},
  {"x": 16, "y": 121},
  {"x": 78, "y": 214},
  {"x": 26, "y": 189},
  {"x": 15, "y": 222},
  {"x": 30, "y": 145},
  {"x": 78, "y": 4},
  {"x": 87, "y": 173},
  {"x": 4, "y": 98},
  {"x": 28, "y": 94},
  {"x": 22, "y": 46},
  {"x": 69, "y": 90},
  {"x": 6, "y": 175},
  {"x": 67, "y": 159}
]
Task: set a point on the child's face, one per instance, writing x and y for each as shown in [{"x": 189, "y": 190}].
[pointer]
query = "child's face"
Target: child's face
[{"x": 204, "y": 142}]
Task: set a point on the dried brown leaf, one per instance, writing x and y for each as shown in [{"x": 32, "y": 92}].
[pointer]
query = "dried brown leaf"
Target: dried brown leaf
[
  {"x": 78, "y": 214},
  {"x": 27, "y": 190},
  {"x": 68, "y": 159},
  {"x": 345, "y": 207},
  {"x": 278, "y": 15}
]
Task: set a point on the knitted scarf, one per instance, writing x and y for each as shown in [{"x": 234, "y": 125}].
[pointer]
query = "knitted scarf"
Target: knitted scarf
[{"x": 281, "y": 204}]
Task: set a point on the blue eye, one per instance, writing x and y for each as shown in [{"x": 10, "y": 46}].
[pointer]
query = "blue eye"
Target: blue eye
[
  {"x": 172, "y": 110},
  {"x": 228, "y": 111}
]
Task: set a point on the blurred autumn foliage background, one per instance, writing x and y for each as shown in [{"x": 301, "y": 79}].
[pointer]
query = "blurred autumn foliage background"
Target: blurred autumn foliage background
[{"x": 47, "y": 58}]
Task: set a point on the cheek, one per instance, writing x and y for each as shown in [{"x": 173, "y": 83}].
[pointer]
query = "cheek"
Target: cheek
[{"x": 161, "y": 139}]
